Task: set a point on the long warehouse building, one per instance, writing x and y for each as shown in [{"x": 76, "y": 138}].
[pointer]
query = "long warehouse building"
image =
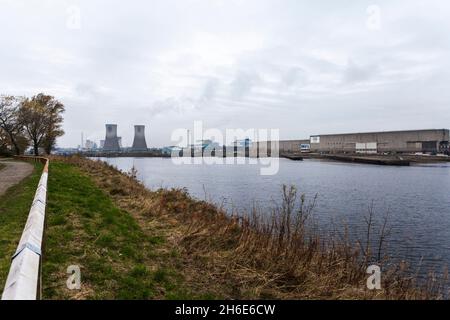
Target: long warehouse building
[{"x": 411, "y": 141}]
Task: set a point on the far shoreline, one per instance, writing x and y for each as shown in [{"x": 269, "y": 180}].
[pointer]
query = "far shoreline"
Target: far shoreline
[{"x": 375, "y": 159}]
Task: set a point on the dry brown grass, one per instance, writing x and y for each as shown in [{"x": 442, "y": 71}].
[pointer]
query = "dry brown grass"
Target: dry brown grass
[{"x": 279, "y": 257}]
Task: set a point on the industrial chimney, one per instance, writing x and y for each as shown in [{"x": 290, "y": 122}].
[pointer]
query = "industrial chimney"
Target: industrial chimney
[
  {"x": 139, "y": 143},
  {"x": 111, "y": 140}
]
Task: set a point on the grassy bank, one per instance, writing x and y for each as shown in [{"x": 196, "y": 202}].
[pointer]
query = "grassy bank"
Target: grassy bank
[
  {"x": 134, "y": 243},
  {"x": 14, "y": 208},
  {"x": 119, "y": 257}
]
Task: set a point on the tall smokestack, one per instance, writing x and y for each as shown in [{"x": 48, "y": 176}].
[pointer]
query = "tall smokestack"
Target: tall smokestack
[
  {"x": 111, "y": 140},
  {"x": 139, "y": 143}
]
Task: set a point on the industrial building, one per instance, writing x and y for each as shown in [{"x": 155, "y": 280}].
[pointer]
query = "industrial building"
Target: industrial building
[
  {"x": 432, "y": 141},
  {"x": 139, "y": 143},
  {"x": 294, "y": 146},
  {"x": 111, "y": 139},
  {"x": 285, "y": 146},
  {"x": 411, "y": 141}
]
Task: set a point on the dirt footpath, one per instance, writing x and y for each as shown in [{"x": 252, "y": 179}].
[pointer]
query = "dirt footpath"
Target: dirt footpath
[{"x": 13, "y": 173}]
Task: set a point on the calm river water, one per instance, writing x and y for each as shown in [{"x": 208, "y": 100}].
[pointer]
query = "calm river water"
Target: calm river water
[{"x": 417, "y": 198}]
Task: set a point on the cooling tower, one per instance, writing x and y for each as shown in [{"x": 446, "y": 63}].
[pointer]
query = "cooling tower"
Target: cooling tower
[
  {"x": 139, "y": 143},
  {"x": 111, "y": 140}
]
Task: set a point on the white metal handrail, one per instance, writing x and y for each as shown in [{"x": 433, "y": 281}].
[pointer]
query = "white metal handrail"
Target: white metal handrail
[{"x": 24, "y": 278}]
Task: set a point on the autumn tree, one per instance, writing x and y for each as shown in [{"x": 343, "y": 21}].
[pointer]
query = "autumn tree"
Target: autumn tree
[
  {"x": 41, "y": 117},
  {"x": 12, "y": 128},
  {"x": 54, "y": 110}
]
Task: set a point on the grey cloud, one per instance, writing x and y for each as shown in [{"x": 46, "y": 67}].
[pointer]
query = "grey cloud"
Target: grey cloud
[
  {"x": 355, "y": 73},
  {"x": 179, "y": 61},
  {"x": 243, "y": 84},
  {"x": 177, "y": 105},
  {"x": 84, "y": 90},
  {"x": 295, "y": 76},
  {"x": 210, "y": 89}
]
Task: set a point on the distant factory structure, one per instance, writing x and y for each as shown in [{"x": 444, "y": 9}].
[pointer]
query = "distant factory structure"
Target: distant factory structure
[
  {"x": 432, "y": 141},
  {"x": 139, "y": 143},
  {"x": 113, "y": 143},
  {"x": 111, "y": 139},
  {"x": 90, "y": 145}
]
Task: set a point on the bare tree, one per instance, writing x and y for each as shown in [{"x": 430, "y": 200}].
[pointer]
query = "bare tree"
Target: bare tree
[
  {"x": 4, "y": 140},
  {"x": 10, "y": 122}
]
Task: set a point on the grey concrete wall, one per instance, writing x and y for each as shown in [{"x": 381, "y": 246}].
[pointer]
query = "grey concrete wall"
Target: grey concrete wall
[{"x": 285, "y": 146}]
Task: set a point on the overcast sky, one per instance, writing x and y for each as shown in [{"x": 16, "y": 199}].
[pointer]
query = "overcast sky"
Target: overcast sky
[{"x": 305, "y": 67}]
